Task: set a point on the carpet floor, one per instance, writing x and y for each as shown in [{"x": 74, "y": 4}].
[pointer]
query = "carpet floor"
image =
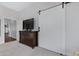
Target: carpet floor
[{"x": 17, "y": 49}]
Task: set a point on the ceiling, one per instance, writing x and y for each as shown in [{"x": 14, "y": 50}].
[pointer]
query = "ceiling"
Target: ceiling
[{"x": 18, "y": 6}]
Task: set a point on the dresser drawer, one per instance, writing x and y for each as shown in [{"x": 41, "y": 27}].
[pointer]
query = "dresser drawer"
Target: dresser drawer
[{"x": 28, "y": 38}]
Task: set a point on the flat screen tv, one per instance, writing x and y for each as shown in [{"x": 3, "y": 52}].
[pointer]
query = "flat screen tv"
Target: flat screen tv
[{"x": 28, "y": 24}]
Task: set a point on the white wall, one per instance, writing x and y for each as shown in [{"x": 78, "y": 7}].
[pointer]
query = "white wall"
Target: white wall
[
  {"x": 5, "y": 12},
  {"x": 72, "y": 28},
  {"x": 2, "y": 31},
  {"x": 32, "y": 12}
]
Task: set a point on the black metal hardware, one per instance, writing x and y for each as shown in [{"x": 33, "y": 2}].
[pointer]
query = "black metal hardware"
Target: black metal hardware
[
  {"x": 63, "y": 4},
  {"x": 39, "y": 29}
]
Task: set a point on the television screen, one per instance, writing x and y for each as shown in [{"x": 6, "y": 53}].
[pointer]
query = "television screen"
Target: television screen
[{"x": 28, "y": 24}]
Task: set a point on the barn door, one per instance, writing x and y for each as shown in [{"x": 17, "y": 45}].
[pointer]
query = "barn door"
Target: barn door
[{"x": 52, "y": 29}]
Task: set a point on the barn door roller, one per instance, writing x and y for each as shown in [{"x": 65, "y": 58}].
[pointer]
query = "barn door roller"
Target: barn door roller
[{"x": 63, "y": 4}]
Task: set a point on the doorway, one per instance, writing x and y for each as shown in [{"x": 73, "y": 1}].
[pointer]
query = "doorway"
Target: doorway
[{"x": 10, "y": 30}]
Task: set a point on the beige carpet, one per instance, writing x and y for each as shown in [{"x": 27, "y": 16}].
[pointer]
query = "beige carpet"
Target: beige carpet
[{"x": 17, "y": 49}]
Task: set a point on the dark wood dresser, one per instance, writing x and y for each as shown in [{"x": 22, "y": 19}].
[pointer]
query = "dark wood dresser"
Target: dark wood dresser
[{"x": 29, "y": 38}]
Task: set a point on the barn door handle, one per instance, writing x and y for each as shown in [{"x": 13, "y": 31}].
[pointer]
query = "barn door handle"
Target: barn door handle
[{"x": 39, "y": 29}]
